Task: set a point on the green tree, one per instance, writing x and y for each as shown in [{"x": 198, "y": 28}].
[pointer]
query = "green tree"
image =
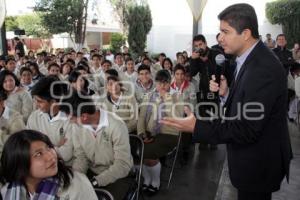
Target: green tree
[
  {"x": 121, "y": 8},
  {"x": 117, "y": 41},
  {"x": 286, "y": 13},
  {"x": 32, "y": 24},
  {"x": 11, "y": 23},
  {"x": 61, "y": 16},
  {"x": 140, "y": 22}
]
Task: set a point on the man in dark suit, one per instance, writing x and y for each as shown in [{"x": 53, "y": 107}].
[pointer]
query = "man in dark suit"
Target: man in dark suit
[
  {"x": 284, "y": 55},
  {"x": 255, "y": 125}
]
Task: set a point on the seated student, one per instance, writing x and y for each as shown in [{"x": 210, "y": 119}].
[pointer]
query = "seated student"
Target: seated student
[
  {"x": 143, "y": 84},
  {"x": 55, "y": 124},
  {"x": 54, "y": 69},
  {"x": 36, "y": 74},
  {"x": 105, "y": 143},
  {"x": 130, "y": 73},
  {"x": 31, "y": 169},
  {"x": 158, "y": 139},
  {"x": 18, "y": 98},
  {"x": 98, "y": 77},
  {"x": 80, "y": 83},
  {"x": 119, "y": 63},
  {"x": 26, "y": 78},
  {"x": 121, "y": 103},
  {"x": 65, "y": 71},
  {"x": 10, "y": 64},
  {"x": 168, "y": 65},
  {"x": 96, "y": 63},
  {"x": 186, "y": 90},
  {"x": 183, "y": 87},
  {"x": 10, "y": 121}
]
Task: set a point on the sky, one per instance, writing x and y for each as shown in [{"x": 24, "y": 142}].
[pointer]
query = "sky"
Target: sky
[{"x": 18, "y": 7}]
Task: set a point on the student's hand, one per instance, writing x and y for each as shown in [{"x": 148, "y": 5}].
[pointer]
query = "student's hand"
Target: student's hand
[
  {"x": 62, "y": 142},
  {"x": 148, "y": 140},
  {"x": 214, "y": 86}
]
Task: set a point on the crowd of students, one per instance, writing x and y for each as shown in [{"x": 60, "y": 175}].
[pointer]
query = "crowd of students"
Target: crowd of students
[{"x": 65, "y": 118}]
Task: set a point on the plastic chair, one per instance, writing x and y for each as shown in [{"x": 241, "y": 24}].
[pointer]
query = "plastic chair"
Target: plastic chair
[
  {"x": 174, "y": 151},
  {"x": 137, "y": 152},
  {"x": 103, "y": 194}
]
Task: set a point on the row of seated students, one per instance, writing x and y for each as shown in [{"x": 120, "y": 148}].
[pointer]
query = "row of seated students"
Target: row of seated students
[{"x": 90, "y": 132}]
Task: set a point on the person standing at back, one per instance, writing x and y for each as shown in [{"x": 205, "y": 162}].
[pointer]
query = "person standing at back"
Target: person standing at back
[{"x": 284, "y": 55}]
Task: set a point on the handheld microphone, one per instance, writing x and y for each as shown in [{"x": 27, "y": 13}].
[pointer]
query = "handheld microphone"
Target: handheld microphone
[{"x": 220, "y": 67}]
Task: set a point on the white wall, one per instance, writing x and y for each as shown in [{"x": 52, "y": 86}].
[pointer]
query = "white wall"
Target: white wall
[
  {"x": 172, "y": 23},
  {"x": 171, "y": 27}
]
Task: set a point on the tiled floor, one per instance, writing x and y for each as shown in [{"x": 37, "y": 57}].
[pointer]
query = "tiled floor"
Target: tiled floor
[
  {"x": 205, "y": 178},
  {"x": 198, "y": 180}
]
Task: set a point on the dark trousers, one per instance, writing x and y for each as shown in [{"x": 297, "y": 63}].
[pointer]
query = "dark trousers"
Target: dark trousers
[
  {"x": 245, "y": 195},
  {"x": 120, "y": 188}
]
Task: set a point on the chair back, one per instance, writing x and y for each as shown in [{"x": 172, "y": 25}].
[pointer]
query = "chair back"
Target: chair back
[{"x": 103, "y": 194}]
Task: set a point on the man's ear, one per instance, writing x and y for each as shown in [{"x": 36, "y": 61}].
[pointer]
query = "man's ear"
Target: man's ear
[{"x": 247, "y": 34}]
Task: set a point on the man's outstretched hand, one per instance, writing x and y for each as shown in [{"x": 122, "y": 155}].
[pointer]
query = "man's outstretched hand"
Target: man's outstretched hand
[{"x": 186, "y": 124}]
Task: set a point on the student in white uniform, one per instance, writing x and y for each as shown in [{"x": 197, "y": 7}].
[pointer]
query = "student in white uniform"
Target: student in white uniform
[
  {"x": 106, "y": 144},
  {"x": 32, "y": 170},
  {"x": 10, "y": 121},
  {"x": 55, "y": 124},
  {"x": 144, "y": 83},
  {"x": 158, "y": 139},
  {"x": 130, "y": 73},
  {"x": 18, "y": 98},
  {"x": 26, "y": 78},
  {"x": 121, "y": 103}
]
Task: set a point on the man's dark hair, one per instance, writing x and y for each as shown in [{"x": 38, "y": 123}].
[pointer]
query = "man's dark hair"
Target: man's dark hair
[
  {"x": 129, "y": 59},
  {"x": 25, "y": 69},
  {"x": 16, "y": 156},
  {"x": 163, "y": 76},
  {"x": 162, "y": 54},
  {"x": 106, "y": 61},
  {"x": 280, "y": 35},
  {"x": 118, "y": 54},
  {"x": 112, "y": 72},
  {"x": 53, "y": 64},
  {"x": 77, "y": 104},
  {"x": 17, "y": 38},
  {"x": 97, "y": 55},
  {"x": 9, "y": 58},
  {"x": 199, "y": 37},
  {"x": 179, "y": 67},
  {"x": 179, "y": 54},
  {"x": 71, "y": 61},
  {"x": 43, "y": 88},
  {"x": 240, "y": 17},
  {"x": 146, "y": 58},
  {"x": 143, "y": 67}
]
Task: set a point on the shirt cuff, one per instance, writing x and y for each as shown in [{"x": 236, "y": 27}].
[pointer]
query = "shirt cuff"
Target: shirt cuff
[{"x": 223, "y": 99}]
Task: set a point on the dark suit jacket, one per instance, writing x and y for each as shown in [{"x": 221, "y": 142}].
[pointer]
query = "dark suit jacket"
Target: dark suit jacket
[{"x": 259, "y": 151}]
